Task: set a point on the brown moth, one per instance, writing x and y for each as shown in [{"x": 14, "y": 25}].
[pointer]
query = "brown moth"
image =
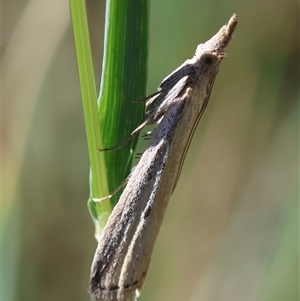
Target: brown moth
[{"x": 124, "y": 251}]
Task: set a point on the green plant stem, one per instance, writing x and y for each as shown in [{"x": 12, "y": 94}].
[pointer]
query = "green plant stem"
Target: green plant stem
[
  {"x": 124, "y": 76},
  {"x": 98, "y": 179},
  {"x": 123, "y": 80}
]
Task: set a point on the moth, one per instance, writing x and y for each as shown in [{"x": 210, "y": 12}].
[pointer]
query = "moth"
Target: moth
[{"x": 124, "y": 250}]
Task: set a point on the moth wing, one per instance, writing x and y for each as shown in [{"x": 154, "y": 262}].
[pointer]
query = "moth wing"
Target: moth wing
[
  {"x": 171, "y": 80},
  {"x": 203, "y": 107},
  {"x": 157, "y": 106}
]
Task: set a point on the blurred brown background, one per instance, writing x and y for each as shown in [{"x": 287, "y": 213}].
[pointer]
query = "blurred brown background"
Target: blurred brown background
[{"x": 232, "y": 227}]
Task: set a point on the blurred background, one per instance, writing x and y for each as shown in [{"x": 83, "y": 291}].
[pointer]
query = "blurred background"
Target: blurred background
[{"x": 231, "y": 231}]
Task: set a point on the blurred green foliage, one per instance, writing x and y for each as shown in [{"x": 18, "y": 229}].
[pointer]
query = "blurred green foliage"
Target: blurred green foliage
[{"x": 231, "y": 230}]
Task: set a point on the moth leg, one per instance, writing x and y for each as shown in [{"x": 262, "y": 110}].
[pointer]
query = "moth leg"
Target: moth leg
[
  {"x": 123, "y": 183},
  {"x": 112, "y": 194},
  {"x": 147, "y": 135},
  {"x": 147, "y": 97},
  {"x": 131, "y": 136},
  {"x": 138, "y": 156},
  {"x": 150, "y": 118}
]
